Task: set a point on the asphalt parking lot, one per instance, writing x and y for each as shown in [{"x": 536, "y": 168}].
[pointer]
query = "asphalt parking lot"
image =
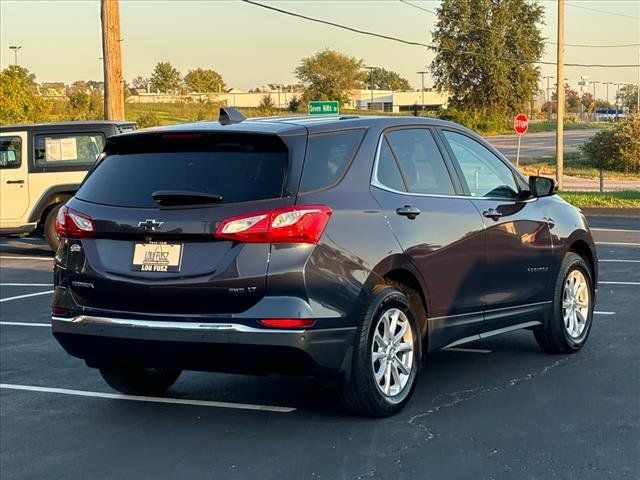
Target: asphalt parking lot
[{"x": 497, "y": 408}]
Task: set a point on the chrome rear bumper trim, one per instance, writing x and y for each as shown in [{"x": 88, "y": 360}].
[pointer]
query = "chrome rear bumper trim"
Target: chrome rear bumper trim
[{"x": 166, "y": 325}]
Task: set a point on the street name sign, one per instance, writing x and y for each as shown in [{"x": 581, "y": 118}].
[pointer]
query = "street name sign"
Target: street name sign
[{"x": 329, "y": 107}]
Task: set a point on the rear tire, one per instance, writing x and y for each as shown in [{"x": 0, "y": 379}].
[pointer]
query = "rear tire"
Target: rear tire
[
  {"x": 132, "y": 380},
  {"x": 386, "y": 357},
  {"x": 50, "y": 234},
  {"x": 568, "y": 327}
]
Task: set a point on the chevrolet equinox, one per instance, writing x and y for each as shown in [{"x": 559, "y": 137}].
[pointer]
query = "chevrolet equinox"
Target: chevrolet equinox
[{"x": 342, "y": 246}]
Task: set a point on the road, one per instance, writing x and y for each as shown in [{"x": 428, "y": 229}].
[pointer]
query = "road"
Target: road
[
  {"x": 541, "y": 144},
  {"x": 498, "y": 408}
]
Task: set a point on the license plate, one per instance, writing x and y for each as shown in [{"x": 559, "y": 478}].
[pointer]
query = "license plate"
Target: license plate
[{"x": 157, "y": 257}]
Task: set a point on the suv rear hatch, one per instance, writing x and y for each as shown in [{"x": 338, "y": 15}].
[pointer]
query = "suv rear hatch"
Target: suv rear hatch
[{"x": 156, "y": 200}]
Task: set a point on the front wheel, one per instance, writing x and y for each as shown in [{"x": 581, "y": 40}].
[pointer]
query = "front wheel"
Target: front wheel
[
  {"x": 386, "y": 357},
  {"x": 132, "y": 380},
  {"x": 568, "y": 327}
]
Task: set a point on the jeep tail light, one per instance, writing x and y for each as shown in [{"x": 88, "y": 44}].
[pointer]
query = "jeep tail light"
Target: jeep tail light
[
  {"x": 72, "y": 224},
  {"x": 287, "y": 322},
  {"x": 299, "y": 224}
]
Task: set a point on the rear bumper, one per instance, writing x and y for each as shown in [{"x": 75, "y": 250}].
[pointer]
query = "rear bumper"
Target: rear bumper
[{"x": 227, "y": 347}]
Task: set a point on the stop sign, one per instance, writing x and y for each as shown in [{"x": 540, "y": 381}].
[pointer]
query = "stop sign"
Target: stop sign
[{"x": 521, "y": 124}]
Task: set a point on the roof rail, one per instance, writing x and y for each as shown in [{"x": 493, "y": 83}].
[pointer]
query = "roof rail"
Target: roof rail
[{"x": 229, "y": 115}]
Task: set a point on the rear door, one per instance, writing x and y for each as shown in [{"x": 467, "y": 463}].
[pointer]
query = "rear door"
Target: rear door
[
  {"x": 134, "y": 231},
  {"x": 14, "y": 188},
  {"x": 439, "y": 231},
  {"x": 517, "y": 232}
]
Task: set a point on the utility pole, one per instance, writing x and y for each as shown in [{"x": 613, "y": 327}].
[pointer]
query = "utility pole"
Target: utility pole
[
  {"x": 112, "y": 60},
  {"x": 638, "y": 85},
  {"x": 371, "y": 69},
  {"x": 548, "y": 99},
  {"x": 15, "y": 49},
  {"x": 422, "y": 74},
  {"x": 560, "y": 96}
]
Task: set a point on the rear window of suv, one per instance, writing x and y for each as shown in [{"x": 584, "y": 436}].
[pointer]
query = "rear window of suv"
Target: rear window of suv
[
  {"x": 239, "y": 168},
  {"x": 327, "y": 159}
]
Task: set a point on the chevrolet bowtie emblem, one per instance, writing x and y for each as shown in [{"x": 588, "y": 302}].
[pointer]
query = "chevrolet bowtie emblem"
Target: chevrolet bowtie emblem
[{"x": 150, "y": 224}]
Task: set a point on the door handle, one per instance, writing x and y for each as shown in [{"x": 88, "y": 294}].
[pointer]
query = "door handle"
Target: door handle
[
  {"x": 408, "y": 211},
  {"x": 15, "y": 181},
  {"x": 492, "y": 213}
]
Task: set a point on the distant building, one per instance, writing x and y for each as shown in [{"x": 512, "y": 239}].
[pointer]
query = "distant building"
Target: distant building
[{"x": 383, "y": 100}]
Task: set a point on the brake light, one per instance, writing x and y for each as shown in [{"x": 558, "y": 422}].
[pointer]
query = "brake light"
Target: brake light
[
  {"x": 287, "y": 322},
  {"x": 299, "y": 224},
  {"x": 73, "y": 224}
]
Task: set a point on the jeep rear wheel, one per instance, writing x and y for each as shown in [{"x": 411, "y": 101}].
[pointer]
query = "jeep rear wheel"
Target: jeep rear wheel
[{"x": 50, "y": 234}]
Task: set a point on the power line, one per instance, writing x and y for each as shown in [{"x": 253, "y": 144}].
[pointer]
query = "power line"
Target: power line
[
  {"x": 420, "y": 44},
  {"x": 604, "y": 11},
  {"x": 598, "y": 46},
  {"x": 548, "y": 43},
  {"x": 419, "y": 7}
]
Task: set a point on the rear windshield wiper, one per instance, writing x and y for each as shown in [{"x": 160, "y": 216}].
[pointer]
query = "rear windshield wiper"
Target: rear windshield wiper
[{"x": 179, "y": 197}]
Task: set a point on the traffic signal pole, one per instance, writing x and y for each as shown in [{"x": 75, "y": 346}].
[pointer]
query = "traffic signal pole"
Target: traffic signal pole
[
  {"x": 112, "y": 60},
  {"x": 560, "y": 96}
]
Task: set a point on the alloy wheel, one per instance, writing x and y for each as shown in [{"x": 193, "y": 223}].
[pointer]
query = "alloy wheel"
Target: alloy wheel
[
  {"x": 576, "y": 300},
  {"x": 392, "y": 354}
]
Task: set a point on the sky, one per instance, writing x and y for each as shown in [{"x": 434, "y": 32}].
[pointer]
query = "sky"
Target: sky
[{"x": 251, "y": 46}]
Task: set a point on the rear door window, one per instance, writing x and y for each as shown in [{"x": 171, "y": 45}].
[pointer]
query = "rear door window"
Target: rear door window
[
  {"x": 328, "y": 157},
  {"x": 239, "y": 169},
  {"x": 68, "y": 150},
  {"x": 10, "y": 152},
  {"x": 422, "y": 166}
]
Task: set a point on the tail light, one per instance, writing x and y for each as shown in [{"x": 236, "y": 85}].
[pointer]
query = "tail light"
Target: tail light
[
  {"x": 287, "y": 322},
  {"x": 299, "y": 224},
  {"x": 72, "y": 224}
]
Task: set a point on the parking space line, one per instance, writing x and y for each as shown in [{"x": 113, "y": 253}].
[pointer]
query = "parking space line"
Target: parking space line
[
  {"x": 613, "y": 230},
  {"x": 27, "y": 324},
  {"x": 18, "y": 297},
  {"x": 604, "y": 313},
  {"x": 16, "y": 257},
  {"x": 618, "y": 261},
  {"x": 467, "y": 350},
  {"x": 140, "y": 398},
  {"x": 622, "y": 244},
  {"x": 618, "y": 283},
  {"x": 26, "y": 284}
]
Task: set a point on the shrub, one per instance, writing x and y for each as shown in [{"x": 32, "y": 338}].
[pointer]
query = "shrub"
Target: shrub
[
  {"x": 266, "y": 106},
  {"x": 148, "y": 119},
  {"x": 479, "y": 121},
  {"x": 616, "y": 149},
  {"x": 294, "y": 104}
]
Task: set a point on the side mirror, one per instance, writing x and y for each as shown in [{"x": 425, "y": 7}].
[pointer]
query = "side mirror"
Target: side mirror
[{"x": 542, "y": 186}]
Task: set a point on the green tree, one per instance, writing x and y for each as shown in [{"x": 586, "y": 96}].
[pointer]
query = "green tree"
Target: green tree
[
  {"x": 165, "y": 78},
  {"x": 84, "y": 106},
  {"x": 200, "y": 80},
  {"x": 628, "y": 97},
  {"x": 503, "y": 40},
  {"x": 330, "y": 75},
  {"x": 386, "y": 80},
  {"x": 19, "y": 101}
]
